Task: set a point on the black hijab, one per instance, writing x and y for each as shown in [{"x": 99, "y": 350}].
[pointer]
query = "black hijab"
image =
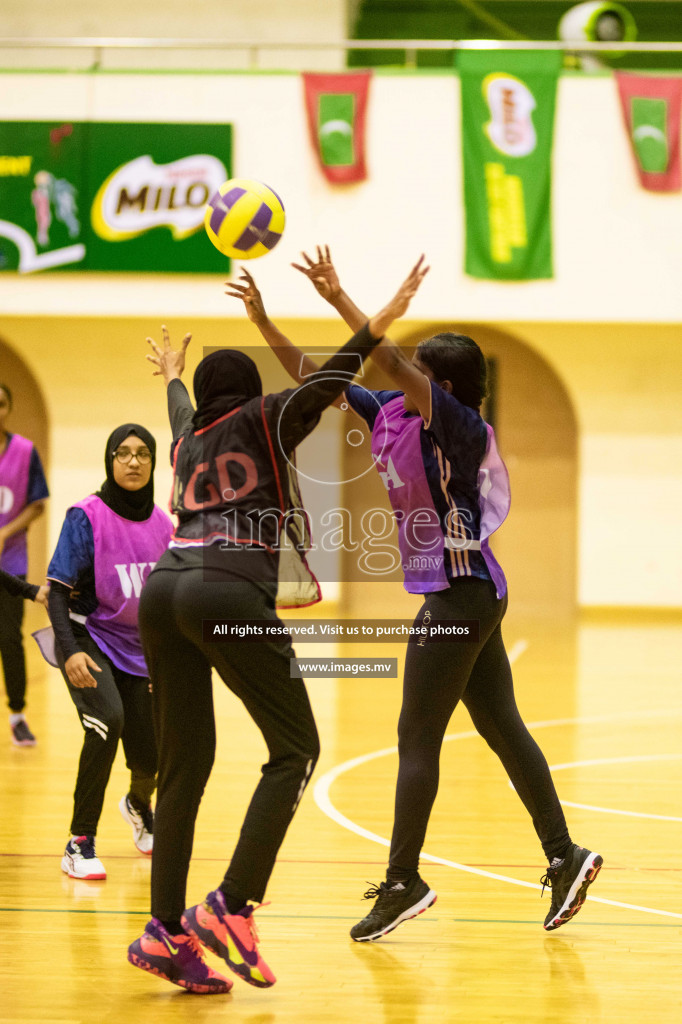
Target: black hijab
[
  {"x": 223, "y": 381},
  {"x": 134, "y": 505}
]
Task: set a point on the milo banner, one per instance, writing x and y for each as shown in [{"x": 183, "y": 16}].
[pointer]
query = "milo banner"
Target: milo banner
[
  {"x": 652, "y": 107},
  {"x": 508, "y": 100},
  {"x": 86, "y": 196},
  {"x": 336, "y": 107}
]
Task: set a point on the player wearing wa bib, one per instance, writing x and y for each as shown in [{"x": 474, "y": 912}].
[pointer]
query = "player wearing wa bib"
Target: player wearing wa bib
[
  {"x": 449, "y": 490},
  {"x": 446, "y": 482},
  {"x": 108, "y": 545}
]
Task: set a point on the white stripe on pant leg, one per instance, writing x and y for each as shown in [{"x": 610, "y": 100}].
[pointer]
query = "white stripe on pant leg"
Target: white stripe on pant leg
[
  {"x": 304, "y": 783},
  {"x": 94, "y": 723}
]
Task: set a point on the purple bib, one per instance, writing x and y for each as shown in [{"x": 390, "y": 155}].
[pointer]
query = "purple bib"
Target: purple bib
[
  {"x": 125, "y": 554},
  {"x": 14, "y": 468},
  {"x": 396, "y": 450},
  {"x": 494, "y": 501}
]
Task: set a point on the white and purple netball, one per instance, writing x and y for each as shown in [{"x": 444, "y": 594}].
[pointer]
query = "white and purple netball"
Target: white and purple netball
[{"x": 244, "y": 219}]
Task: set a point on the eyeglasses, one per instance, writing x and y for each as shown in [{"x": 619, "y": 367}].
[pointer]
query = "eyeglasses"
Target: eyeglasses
[{"x": 124, "y": 455}]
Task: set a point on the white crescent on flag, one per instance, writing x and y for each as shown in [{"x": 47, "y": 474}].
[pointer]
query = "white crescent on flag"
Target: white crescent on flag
[
  {"x": 649, "y": 131},
  {"x": 344, "y": 127}
]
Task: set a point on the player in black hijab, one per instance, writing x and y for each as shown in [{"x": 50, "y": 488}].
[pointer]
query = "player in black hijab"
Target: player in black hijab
[{"x": 233, "y": 470}]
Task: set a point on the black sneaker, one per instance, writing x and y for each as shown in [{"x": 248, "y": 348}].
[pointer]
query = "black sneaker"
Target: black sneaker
[
  {"x": 394, "y": 904},
  {"x": 22, "y": 735},
  {"x": 569, "y": 880}
]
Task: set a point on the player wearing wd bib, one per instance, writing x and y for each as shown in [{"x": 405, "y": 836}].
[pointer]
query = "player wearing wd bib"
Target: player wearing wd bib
[
  {"x": 23, "y": 490},
  {"x": 108, "y": 545},
  {"x": 234, "y": 547},
  {"x": 450, "y": 492},
  {"x": 125, "y": 553}
]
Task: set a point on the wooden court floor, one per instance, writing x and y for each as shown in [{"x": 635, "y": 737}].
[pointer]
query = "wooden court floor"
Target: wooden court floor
[{"x": 603, "y": 699}]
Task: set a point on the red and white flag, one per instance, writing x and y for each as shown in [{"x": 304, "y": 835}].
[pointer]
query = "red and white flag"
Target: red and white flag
[
  {"x": 336, "y": 105},
  {"x": 652, "y": 108}
]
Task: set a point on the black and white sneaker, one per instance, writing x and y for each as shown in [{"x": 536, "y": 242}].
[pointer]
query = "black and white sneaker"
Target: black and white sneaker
[
  {"x": 142, "y": 823},
  {"x": 393, "y": 905},
  {"x": 569, "y": 880}
]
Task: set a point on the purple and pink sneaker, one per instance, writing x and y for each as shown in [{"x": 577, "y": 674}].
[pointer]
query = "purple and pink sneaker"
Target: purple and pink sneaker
[
  {"x": 233, "y": 937},
  {"x": 177, "y": 958}
]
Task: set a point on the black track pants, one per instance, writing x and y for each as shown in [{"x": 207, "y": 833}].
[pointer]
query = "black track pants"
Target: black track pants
[
  {"x": 12, "y": 648},
  {"x": 119, "y": 707},
  {"x": 172, "y": 608}
]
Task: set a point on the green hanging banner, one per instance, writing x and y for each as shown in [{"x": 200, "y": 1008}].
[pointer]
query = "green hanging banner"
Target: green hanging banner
[{"x": 508, "y": 100}]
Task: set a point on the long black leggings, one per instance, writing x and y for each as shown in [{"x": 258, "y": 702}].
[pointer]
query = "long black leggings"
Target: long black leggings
[
  {"x": 172, "y": 609},
  {"x": 118, "y": 708},
  {"x": 12, "y": 648},
  {"x": 437, "y": 676}
]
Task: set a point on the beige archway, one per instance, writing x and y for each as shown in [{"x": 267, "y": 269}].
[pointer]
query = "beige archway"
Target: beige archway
[{"x": 537, "y": 435}]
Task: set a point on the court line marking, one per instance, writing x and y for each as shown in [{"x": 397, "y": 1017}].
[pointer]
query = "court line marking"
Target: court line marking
[
  {"x": 616, "y": 760},
  {"x": 431, "y": 919},
  {"x": 613, "y": 810},
  {"x": 623, "y": 759},
  {"x": 323, "y": 800},
  {"x": 516, "y": 650}
]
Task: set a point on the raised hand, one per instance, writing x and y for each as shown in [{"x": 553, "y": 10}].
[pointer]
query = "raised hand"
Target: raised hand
[
  {"x": 400, "y": 302},
  {"x": 322, "y": 273},
  {"x": 170, "y": 361},
  {"x": 250, "y": 296}
]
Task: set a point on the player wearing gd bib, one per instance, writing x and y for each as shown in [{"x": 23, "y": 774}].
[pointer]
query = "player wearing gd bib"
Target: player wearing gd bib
[{"x": 233, "y": 461}]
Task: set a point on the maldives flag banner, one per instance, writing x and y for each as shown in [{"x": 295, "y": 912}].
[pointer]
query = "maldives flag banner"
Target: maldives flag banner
[
  {"x": 652, "y": 108},
  {"x": 336, "y": 106},
  {"x": 508, "y": 100}
]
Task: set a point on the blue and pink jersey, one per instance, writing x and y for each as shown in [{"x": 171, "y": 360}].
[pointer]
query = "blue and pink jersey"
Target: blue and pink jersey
[
  {"x": 125, "y": 552},
  {"x": 22, "y": 482},
  {"x": 446, "y": 482}
]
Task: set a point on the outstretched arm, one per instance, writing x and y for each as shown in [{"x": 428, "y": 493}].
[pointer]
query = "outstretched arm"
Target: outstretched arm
[
  {"x": 298, "y": 365},
  {"x": 170, "y": 362},
  {"x": 170, "y": 365},
  {"x": 388, "y": 355},
  {"x": 399, "y": 304},
  {"x": 333, "y": 377},
  {"x": 324, "y": 277},
  {"x": 18, "y": 588}
]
